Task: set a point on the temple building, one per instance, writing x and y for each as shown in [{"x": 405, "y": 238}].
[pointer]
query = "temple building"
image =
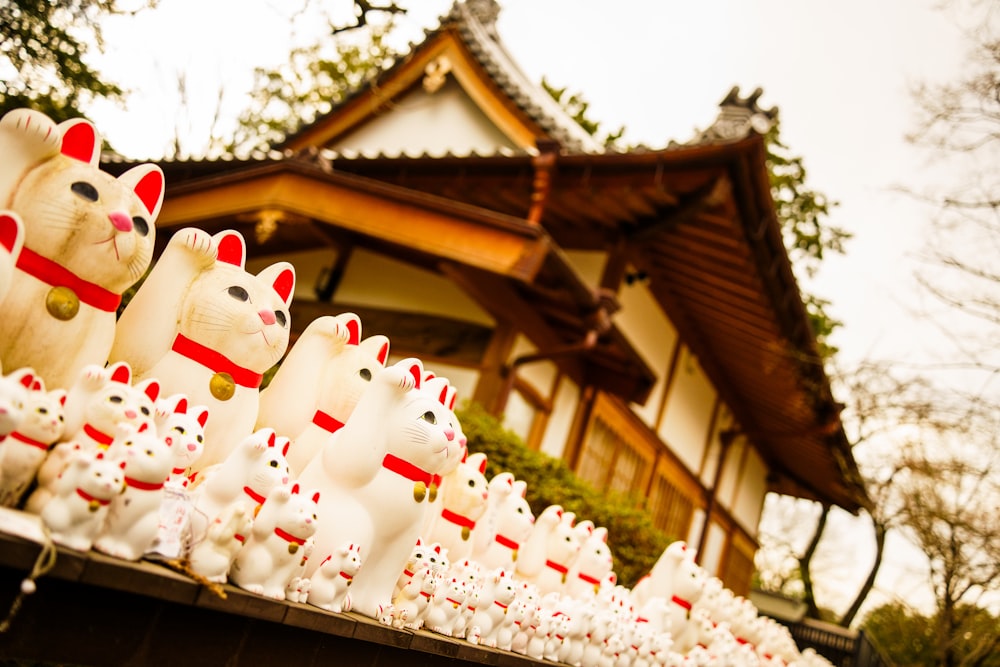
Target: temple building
[{"x": 632, "y": 312}]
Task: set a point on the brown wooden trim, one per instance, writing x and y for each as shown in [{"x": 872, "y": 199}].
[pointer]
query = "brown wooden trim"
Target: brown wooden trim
[
  {"x": 581, "y": 426},
  {"x": 710, "y": 436},
  {"x": 492, "y": 383}
]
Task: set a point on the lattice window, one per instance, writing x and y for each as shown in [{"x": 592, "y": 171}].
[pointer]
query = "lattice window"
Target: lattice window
[
  {"x": 738, "y": 569},
  {"x": 671, "y": 509}
]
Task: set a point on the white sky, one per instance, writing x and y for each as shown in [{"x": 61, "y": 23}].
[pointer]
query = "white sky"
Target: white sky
[{"x": 840, "y": 72}]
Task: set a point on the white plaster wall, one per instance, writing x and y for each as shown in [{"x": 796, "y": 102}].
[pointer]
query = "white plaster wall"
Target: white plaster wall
[
  {"x": 589, "y": 264},
  {"x": 308, "y": 266},
  {"x": 687, "y": 416},
  {"x": 564, "y": 407},
  {"x": 518, "y": 416},
  {"x": 711, "y": 555},
  {"x": 539, "y": 374},
  {"x": 726, "y": 493},
  {"x": 750, "y": 491},
  {"x": 652, "y": 334},
  {"x": 442, "y": 122},
  {"x": 378, "y": 281}
]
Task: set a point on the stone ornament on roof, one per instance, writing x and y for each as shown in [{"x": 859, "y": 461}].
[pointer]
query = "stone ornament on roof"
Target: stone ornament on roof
[{"x": 738, "y": 116}]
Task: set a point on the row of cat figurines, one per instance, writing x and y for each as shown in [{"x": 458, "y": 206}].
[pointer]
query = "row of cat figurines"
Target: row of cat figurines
[{"x": 420, "y": 468}]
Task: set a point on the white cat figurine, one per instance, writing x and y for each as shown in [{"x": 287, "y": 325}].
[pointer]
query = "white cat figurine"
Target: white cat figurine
[
  {"x": 593, "y": 565},
  {"x": 23, "y": 451},
  {"x": 374, "y": 475},
  {"x": 213, "y": 556},
  {"x": 315, "y": 389},
  {"x": 206, "y": 328},
  {"x": 183, "y": 427},
  {"x": 14, "y": 389},
  {"x": 279, "y": 542},
  {"x": 463, "y": 494},
  {"x": 134, "y": 516},
  {"x": 87, "y": 237},
  {"x": 546, "y": 556},
  {"x": 246, "y": 478},
  {"x": 330, "y": 583},
  {"x": 100, "y": 403},
  {"x": 76, "y": 512},
  {"x": 505, "y": 525}
]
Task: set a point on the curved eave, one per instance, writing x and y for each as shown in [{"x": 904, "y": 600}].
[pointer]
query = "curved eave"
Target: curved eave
[{"x": 306, "y": 198}]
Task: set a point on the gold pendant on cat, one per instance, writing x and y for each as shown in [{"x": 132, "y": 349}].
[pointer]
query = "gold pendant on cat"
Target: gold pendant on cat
[
  {"x": 292, "y": 547},
  {"x": 419, "y": 491},
  {"x": 93, "y": 505},
  {"x": 222, "y": 386},
  {"x": 465, "y": 533},
  {"x": 62, "y": 303},
  {"x": 513, "y": 556},
  {"x": 432, "y": 493}
]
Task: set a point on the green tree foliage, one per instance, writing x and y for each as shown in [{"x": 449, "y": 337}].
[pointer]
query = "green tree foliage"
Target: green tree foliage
[
  {"x": 578, "y": 108},
  {"x": 44, "y": 46},
  {"x": 635, "y": 543},
  {"x": 310, "y": 82},
  {"x": 809, "y": 237},
  {"x": 908, "y": 638}
]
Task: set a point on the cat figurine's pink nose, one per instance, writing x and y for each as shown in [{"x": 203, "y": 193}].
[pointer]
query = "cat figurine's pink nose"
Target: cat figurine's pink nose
[
  {"x": 449, "y": 433},
  {"x": 121, "y": 221},
  {"x": 267, "y": 316}
]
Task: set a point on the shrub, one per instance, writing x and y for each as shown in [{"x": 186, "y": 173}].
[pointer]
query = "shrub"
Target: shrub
[{"x": 635, "y": 543}]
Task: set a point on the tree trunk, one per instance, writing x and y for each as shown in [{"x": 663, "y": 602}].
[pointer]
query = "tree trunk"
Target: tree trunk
[
  {"x": 866, "y": 587},
  {"x": 812, "y": 611}
]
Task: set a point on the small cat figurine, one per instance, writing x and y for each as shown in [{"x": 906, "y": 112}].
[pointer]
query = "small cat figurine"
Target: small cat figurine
[
  {"x": 87, "y": 237},
  {"x": 134, "y": 516},
  {"x": 505, "y": 525},
  {"x": 14, "y": 389},
  {"x": 593, "y": 565},
  {"x": 97, "y": 406},
  {"x": 330, "y": 583},
  {"x": 409, "y": 605},
  {"x": 206, "y": 328},
  {"x": 183, "y": 427},
  {"x": 11, "y": 241},
  {"x": 279, "y": 543},
  {"x": 76, "y": 512},
  {"x": 245, "y": 478},
  {"x": 23, "y": 451},
  {"x": 213, "y": 556},
  {"x": 463, "y": 495},
  {"x": 319, "y": 382},
  {"x": 546, "y": 556},
  {"x": 374, "y": 475}
]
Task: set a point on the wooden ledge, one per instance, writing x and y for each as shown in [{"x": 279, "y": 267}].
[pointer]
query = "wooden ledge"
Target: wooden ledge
[{"x": 91, "y": 609}]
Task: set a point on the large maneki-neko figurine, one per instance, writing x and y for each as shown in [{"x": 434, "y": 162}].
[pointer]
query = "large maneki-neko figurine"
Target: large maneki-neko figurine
[
  {"x": 206, "y": 328},
  {"x": 373, "y": 476},
  {"x": 88, "y": 236},
  {"x": 319, "y": 382}
]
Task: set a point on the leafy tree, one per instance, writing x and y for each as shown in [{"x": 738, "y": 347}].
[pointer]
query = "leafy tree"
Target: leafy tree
[
  {"x": 313, "y": 80},
  {"x": 907, "y": 637},
  {"x": 809, "y": 237},
  {"x": 578, "y": 108},
  {"x": 44, "y": 47}
]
